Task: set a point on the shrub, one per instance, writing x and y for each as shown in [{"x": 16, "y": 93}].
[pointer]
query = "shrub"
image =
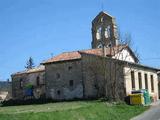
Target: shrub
[
  {"x": 12, "y": 102},
  {"x": 29, "y": 86}
]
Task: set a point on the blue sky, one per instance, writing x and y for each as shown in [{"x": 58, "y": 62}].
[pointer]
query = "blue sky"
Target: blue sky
[{"x": 39, "y": 28}]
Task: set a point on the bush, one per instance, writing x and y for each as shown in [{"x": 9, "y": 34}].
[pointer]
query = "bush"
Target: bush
[
  {"x": 12, "y": 102},
  {"x": 29, "y": 86},
  {"x": 42, "y": 100}
]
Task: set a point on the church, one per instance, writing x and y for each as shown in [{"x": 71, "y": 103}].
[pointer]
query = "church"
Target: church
[{"x": 109, "y": 69}]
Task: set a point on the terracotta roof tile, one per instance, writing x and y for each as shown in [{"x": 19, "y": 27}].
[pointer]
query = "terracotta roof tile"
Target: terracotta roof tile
[
  {"x": 65, "y": 56},
  {"x": 97, "y": 51},
  {"x": 77, "y": 54}
]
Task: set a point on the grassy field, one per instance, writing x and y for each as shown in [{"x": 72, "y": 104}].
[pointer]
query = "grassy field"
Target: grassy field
[{"x": 93, "y": 110}]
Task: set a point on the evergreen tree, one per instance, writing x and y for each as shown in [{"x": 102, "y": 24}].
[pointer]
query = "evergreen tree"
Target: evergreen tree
[{"x": 30, "y": 63}]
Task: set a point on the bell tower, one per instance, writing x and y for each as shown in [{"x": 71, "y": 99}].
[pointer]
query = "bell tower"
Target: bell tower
[{"x": 104, "y": 31}]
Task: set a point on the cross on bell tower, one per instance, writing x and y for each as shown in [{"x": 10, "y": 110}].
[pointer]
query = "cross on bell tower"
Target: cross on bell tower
[{"x": 104, "y": 31}]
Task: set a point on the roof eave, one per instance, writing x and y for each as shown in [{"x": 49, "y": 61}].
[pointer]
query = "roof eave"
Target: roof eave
[{"x": 46, "y": 63}]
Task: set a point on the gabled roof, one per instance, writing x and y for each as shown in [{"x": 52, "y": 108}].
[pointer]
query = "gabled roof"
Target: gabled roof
[
  {"x": 72, "y": 55},
  {"x": 64, "y": 57},
  {"x": 40, "y": 68},
  {"x": 75, "y": 55}
]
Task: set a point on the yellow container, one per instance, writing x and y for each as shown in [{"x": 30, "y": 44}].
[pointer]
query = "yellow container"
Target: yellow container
[{"x": 136, "y": 99}]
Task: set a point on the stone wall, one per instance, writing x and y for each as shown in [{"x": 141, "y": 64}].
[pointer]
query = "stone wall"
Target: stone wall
[
  {"x": 64, "y": 80},
  {"x": 20, "y": 82},
  {"x": 103, "y": 77},
  {"x": 92, "y": 76}
]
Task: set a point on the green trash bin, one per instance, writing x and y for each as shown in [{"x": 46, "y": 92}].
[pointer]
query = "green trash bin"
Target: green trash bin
[{"x": 146, "y": 95}]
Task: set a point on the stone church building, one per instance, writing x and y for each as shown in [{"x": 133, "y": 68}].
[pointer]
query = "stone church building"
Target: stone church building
[{"x": 110, "y": 69}]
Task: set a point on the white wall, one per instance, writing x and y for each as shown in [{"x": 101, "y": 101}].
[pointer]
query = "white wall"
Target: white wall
[
  {"x": 125, "y": 56},
  {"x": 128, "y": 85}
]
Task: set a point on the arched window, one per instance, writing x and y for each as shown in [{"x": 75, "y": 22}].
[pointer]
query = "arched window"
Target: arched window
[
  {"x": 107, "y": 32},
  {"x": 100, "y": 46},
  {"x": 98, "y": 34},
  {"x": 38, "y": 81},
  {"x": 21, "y": 83}
]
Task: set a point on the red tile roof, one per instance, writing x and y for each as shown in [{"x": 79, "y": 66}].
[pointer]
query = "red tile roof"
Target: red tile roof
[
  {"x": 65, "y": 56},
  {"x": 72, "y": 55},
  {"x": 77, "y": 54},
  {"x": 97, "y": 51},
  {"x": 108, "y": 51}
]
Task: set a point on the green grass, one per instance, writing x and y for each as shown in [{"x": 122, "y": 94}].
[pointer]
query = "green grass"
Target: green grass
[{"x": 94, "y": 110}]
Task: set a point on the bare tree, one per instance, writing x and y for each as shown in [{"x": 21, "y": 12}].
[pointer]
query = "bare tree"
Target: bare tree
[
  {"x": 110, "y": 69},
  {"x": 127, "y": 42}
]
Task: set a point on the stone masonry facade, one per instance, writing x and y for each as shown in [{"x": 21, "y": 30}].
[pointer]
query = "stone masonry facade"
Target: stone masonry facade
[
  {"x": 64, "y": 80},
  {"x": 34, "y": 78}
]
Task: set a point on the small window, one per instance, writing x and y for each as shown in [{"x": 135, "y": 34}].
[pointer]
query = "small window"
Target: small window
[
  {"x": 70, "y": 68},
  {"x": 38, "y": 81},
  {"x": 152, "y": 83},
  {"x": 140, "y": 80},
  {"x": 146, "y": 81},
  {"x": 71, "y": 83},
  {"x": 21, "y": 83},
  {"x": 58, "y": 92},
  {"x": 133, "y": 80},
  {"x": 57, "y": 75}
]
